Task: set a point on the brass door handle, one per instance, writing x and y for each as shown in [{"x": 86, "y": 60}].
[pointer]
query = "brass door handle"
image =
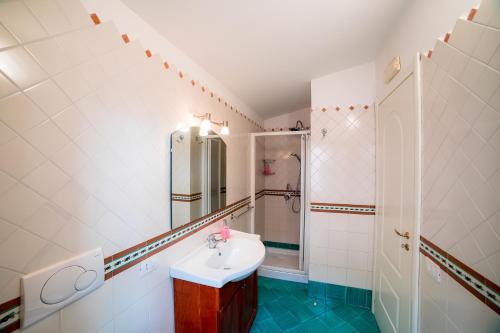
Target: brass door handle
[{"x": 405, "y": 234}]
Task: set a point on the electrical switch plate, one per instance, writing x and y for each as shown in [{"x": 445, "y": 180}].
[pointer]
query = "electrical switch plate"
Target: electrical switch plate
[
  {"x": 48, "y": 290},
  {"x": 147, "y": 266}
]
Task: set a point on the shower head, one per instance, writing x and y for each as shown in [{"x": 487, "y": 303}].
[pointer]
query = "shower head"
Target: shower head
[{"x": 295, "y": 155}]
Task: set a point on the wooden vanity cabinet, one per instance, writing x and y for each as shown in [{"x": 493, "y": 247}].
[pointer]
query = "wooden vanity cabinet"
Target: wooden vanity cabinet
[{"x": 230, "y": 309}]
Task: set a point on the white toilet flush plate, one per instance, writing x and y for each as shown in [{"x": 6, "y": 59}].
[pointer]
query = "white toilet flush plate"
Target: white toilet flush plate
[{"x": 50, "y": 289}]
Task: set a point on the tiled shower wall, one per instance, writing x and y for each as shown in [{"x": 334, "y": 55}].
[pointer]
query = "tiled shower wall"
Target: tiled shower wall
[
  {"x": 85, "y": 119},
  {"x": 461, "y": 170},
  {"x": 274, "y": 218},
  {"x": 281, "y": 224},
  {"x": 342, "y": 172}
]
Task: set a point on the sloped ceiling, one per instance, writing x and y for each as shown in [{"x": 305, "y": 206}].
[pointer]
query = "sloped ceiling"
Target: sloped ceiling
[{"x": 267, "y": 51}]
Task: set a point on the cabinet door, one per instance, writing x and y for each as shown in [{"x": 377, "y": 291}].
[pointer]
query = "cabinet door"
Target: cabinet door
[
  {"x": 249, "y": 305},
  {"x": 230, "y": 314}
]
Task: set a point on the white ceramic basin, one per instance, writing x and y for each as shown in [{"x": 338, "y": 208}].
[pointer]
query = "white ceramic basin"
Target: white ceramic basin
[{"x": 230, "y": 261}]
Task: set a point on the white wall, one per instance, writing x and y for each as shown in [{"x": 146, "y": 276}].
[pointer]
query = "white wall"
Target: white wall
[
  {"x": 136, "y": 28},
  {"x": 417, "y": 29},
  {"x": 461, "y": 119},
  {"x": 461, "y": 171},
  {"x": 85, "y": 121},
  {"x": 342, "y": 172},
  {"x": 288, "y": 120},
  {"x": 352, "y": 85}
]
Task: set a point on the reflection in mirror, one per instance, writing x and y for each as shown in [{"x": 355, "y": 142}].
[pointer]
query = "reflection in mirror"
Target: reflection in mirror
[{"x": 198, "y": 175}]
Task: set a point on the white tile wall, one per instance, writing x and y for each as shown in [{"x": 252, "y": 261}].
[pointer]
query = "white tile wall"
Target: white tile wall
[
  {"x": 461, "y": 160},
  {"x": 19, "y": 113},
  {"x": 447, "y": 306},
  {"x": 343, "y": 161},
  {"x": 280, "y": 223},
  {"x": 6, "y": 38},
  {"x": 84, "y": 127},
  {"x": 16, "y": 17},
  {"x": 286, "y": 168},
  {"x": 342, "y": 171},
  {"x": 341, "y": 249},
  {"x": 21, "y": 67}
]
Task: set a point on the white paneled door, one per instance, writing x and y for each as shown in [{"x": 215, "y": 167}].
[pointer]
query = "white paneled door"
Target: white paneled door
[{"x": 396, "y": 265}]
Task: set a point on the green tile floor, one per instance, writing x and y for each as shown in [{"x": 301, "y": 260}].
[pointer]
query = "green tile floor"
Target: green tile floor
[{"x": 286, "y": 307}]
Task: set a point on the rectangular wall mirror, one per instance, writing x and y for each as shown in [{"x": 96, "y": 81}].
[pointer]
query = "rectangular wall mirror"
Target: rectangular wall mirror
[{"x": 198, "y": 175}]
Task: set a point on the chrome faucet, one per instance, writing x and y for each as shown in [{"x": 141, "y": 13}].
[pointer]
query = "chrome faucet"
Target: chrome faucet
[{"x": 213, "y": 240}]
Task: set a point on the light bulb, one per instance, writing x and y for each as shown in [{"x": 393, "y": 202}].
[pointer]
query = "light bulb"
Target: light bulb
[
  {"x": 225, "y": 128},
  {"x": 206, "y": 124},
  {"x": 203, "y": 131}
]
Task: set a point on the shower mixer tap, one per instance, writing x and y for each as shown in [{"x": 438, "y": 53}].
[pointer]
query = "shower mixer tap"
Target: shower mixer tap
[{"x": 287, "y": 196}]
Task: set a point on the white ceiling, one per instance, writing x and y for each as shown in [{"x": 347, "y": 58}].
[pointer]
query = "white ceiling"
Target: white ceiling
[{"x": 267, "y": 51}]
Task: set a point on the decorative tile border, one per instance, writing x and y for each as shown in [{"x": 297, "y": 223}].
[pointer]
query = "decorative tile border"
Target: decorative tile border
[
  {"x": 282, "y": 193},
  {"x": 337, "y": 293},
  {"x": 127, "y": 258},
  {"x": 121, "y": 261},
  {"x": 285, "y": 129},
  {"x": 186, "y": 197},
  {"x": 191, "y": 197},
  {"x": 349, "y": 108},
  {"x": 276, "y": 193},
  {"x": 479, "y": 286},
  {"x": 278, "y": 245},
  {"x": 9, "y": 315},
  {"x": 259, "y": 194},
  {"x": 342, "y": 208}
]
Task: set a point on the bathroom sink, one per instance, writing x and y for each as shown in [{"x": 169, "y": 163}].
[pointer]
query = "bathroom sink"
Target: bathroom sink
[{"x": 233, "y": 260}]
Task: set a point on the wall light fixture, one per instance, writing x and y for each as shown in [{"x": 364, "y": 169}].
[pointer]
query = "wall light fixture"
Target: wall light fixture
[{"x": 206, "y": 124}]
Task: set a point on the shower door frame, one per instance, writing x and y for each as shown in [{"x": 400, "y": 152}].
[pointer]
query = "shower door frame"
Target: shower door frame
[{"x": 304, "y": 192}]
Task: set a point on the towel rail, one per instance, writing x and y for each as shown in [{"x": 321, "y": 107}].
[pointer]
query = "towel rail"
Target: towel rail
[{"x": 235, "y": 216}]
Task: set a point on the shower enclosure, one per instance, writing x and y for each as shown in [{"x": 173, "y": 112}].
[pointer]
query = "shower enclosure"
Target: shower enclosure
[{"x": 278, "y": 182}]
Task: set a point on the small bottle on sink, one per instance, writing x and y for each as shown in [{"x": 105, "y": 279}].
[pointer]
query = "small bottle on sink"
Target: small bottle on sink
[{"x": 225, "y": 231}]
